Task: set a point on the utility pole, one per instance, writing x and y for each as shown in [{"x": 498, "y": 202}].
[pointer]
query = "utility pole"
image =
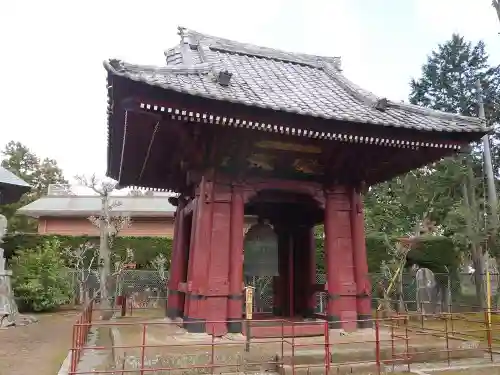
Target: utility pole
[
  {"x": 492, "y": 223},
  {"x": 496, "y": 5},
  {"x": 488, "y": 166}
]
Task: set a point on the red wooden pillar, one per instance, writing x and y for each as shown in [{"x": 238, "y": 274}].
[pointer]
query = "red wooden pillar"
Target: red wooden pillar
[
  {"x": 189, "y": 270},
  {"x": 363, "y": 287},
  {"x": 341, "y": 288},
  {"x": 177, "y": 265},
  {"x": 196, "y": 315},
  {"x": 235, "y": 297},
  {"x": 311, "y": 252},
  {"x": 280, "y": 296},
  {"x": 219, "y": 261}
]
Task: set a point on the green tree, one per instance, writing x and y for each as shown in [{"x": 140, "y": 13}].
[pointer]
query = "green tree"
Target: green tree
[
  {"x": 40, "y": 281},
  {"x": 449, "y": 77},
  {"x": 399, "y": 206},
  {"x": 20, "y": 160},
  {"x": 448, "y": 83}
]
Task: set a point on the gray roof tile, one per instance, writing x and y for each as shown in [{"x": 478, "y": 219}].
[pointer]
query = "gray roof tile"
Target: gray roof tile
[
  {"x": 290, "y": 82},
  {"x": 11, "y": 187},
  {"x": 91, "y": 205}
]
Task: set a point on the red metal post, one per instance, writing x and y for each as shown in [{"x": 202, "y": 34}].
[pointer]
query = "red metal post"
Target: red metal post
[
  {"x": 79, "y": 338},
  {"x": 73, "y": 351},
  {"x": 327, "y": 349},
  {"x": 212, "y": 355},
  {"x": 282, "y": 340},
  {"x": 143, "y": 348},
  {"x": 291, "y": 276},
  {"x": 235, "y": 298},
  {"x": 407, "y": 344},
  {"x": 447, "y": 340},
  {"x": 363, "y": 285},
  {"x": 377, "y": 341},
  {"x": 293, "y": 347},
  {"x": 393, "y": 353}
]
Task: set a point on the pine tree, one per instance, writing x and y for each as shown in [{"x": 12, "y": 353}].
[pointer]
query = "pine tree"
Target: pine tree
[{"x": 449, "y": 77}]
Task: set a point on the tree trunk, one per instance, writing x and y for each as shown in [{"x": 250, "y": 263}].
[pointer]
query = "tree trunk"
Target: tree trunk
[
  {"x": 104, "y": 255},
  {"x": 479, "y": 279},
  {"x": 475, "y": 250},
  {"x": 81, "y": 292}
]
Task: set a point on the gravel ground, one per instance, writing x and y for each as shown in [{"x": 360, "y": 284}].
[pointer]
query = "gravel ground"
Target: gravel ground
[{"x": 39, "y": 347}]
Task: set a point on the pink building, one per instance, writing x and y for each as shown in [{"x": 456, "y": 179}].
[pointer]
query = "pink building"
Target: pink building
[
  {"x": 62, "y": 213},
  {"x": 67, "y": 214}
]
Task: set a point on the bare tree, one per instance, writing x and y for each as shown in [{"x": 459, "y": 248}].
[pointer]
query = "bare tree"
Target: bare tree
[
  {"x": 109, "y": 226},
  {"x": 120, "y": 265},
  {"x": 392, "y": 276},
  {"x": 83, "y": 260},
  {"x": 159, "y": 263}
]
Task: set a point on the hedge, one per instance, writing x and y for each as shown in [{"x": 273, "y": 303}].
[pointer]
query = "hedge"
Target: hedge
[
  {"x": 145, "y": 248},
  {"x": 438, "y": 253},
  {"x": 434, "y": 252}
]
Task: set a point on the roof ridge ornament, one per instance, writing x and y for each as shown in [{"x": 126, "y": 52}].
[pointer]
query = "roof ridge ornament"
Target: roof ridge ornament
[
  {"x": 186, "y": 50},
  {"x": 224, "y": 78},
  {"x": 382, "y": 104}
]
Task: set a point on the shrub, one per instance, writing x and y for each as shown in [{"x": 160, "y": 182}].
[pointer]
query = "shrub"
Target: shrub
[
  {"x": 40, "y": 281},
  {"x": 145, "y": 248}
]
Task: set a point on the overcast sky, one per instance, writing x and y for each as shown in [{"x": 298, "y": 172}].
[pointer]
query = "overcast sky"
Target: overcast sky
[{"x": 52, "y": 87}]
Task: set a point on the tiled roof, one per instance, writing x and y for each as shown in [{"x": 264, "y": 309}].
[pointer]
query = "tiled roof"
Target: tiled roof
[
  {"x": 11, "y": 187},
  {"x": 9, "y": 178},
  {"x": 290, "y": 82}
]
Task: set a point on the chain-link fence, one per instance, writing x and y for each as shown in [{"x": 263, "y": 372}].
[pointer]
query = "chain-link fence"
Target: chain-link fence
[
  {"x": 435, "y": 293},
  {"x": 443, "y": 292},
  {"x": 140, "y": 284}
]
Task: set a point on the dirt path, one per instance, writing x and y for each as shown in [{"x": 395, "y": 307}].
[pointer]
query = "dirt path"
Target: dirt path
[{"x": 38, "y": 348}]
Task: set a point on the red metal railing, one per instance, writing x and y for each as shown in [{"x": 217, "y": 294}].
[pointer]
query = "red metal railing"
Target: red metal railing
[
  {"x": 81, "y": 330},
  {"x": 393, "y": 342}
]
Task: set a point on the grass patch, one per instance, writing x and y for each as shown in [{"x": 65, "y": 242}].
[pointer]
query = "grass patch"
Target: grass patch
[{"x": 462, "y": 326}]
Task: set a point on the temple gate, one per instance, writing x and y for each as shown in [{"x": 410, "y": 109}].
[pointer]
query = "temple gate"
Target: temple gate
[{"x": 236, "y": 130}]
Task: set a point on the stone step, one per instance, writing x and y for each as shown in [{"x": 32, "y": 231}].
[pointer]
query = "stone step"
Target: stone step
[
  {"x": 302, "y": 357},
  {"x": 368, "y": 368},
  {"x": 431, "y": 352},
  {"x": 259, "y": 330}
]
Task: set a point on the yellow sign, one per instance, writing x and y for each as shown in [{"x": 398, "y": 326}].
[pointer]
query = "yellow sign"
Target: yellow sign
[{"x": 249, "y": 301}]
